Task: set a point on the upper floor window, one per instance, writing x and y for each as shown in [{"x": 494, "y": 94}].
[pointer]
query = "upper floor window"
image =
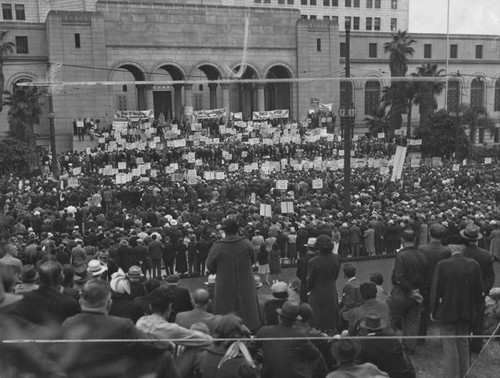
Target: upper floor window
[
  {"x": 312, "y": 17},
  {"x": 304, "y": 16},
  {"x": 372, "y": 50},
  {"x": 335, "y": 3},
  {"x": 372, "y": 96},
  {"x": 369, "y": 3},
  {"x": 355, "y": 24},
  {"x": 453, "y": 51},
  {"x": 326, "y": 17},
  {"x": 479, "y": 51},
  {"x": 77, "y": 41},
  {"x": 257, "y": 1},
  {"x": 376, "y": 25},
  {"x": 369, "y": 22},
  {"x": 21, "y": 45},
  {"x": 267, "y": 1},
  {"x": 477, "y": 92},
  {"x": 377, "y": 3},
  {"x": 7, "y": 11},
  {"x": 394, "y": 4},
  {"x": 453, "y": 95},
  {"x": 303, "y": 2},
  {"x": 496, "y": 105},
  {"x": 427, "y": 51},
  {"x": 313, "y": 2},
  {"x": 281, "y": 1},
  {"x": 394, "y": 24},
  {"x": 356, "y": 4},
  {"x": 20, "y": 15},
  {"x": 347, "y": 22},
  {"x": 318, "y": 45},
  {"x": 290, "y": 2},
  {"x": 326, "y": 3},
  {"x": 343, "y": 51},
  {"x": 348, "y": 3},
  {"x": 335, "y": 18}
]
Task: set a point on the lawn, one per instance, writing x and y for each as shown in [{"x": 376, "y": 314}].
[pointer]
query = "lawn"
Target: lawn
[{"x": 428, "y": 361}]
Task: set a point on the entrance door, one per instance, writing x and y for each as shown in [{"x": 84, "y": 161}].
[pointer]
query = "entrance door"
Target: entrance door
[{"x": 162, "y": 102}]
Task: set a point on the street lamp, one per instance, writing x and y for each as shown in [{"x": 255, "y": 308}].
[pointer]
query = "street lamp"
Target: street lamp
[
  {"x": 51, "y": 116},
  {"x": 347, "y": 114}
]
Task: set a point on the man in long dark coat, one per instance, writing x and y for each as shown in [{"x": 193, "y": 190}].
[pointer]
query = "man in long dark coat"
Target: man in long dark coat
[{"x": 232, "y": 259}]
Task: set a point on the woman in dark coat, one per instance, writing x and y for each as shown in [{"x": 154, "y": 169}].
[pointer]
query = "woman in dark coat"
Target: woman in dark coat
[
  {"x": 231, "y": 259},
  {"x": 180, "y": 257},
  {"x": 323, "y": 271}
]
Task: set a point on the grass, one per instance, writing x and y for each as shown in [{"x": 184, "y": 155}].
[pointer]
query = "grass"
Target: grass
[{"x": 428, "y": 360}]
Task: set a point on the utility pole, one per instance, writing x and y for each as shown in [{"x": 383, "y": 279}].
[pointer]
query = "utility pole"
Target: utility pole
[
  {"x": 347, "y": 125},
  {"x": 52, "y": 115}
]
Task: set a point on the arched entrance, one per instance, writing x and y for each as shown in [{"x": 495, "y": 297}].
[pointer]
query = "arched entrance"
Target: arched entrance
[
  {"x": 129, "y": 97},
  {"x": 244, "y": 96},
  {"x": 206, "y": 96},
  {"x": 168, "y": 99},
  {"x": 278, "y": 95}
]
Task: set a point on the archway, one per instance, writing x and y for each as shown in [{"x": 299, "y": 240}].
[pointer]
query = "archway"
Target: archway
[
  {"x": 244, "y": 96},
  {"x": 206, "y": 96},
  {"x": 278, "y": 95},
  {"x": 167, "y": 99},
  {"x": 129, "y": 97}
]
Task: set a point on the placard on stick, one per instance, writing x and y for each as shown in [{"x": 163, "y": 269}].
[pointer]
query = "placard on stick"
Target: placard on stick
[{"x": 265, "y": 210}]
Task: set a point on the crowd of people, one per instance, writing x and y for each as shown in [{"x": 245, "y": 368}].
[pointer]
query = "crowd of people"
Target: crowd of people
[{"x": 87, "y": 257}]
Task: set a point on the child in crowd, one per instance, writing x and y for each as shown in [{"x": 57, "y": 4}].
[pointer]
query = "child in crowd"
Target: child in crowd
[
  {"x": 275, "y": 262},
  {"x": 263, "y": 260},
  {"x": 378, "y": 280}
]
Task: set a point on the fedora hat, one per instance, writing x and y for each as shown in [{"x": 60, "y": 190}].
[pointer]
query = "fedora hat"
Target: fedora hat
[
  {"x": 95, "y": 267},
  {"x": 134, "y": 272},
  {"x": 290, "y": 310},
  {"x": 124, "y": 242},
  {"x": 29, "y": 274},
  {"x": 346, "y": 350},
  {"x": 373, "y": 322},
  {"x": 471, "y": 232}
]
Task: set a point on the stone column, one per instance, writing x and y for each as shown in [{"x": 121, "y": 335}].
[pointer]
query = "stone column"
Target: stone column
[
  {"x": 148, "y": 97},
  {"x": 213, "y": 95},
  {"x": 225, "y": 96},
  {"x": 177, "y": 101},
  {"x": 261, "y": 105},
  {"x": 188, "y": 94}
]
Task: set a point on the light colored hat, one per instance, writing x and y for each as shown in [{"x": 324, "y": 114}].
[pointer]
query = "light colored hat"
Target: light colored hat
[
  {"x": 95, "y": 267},
  {"x": 134, "y": 272},
  {"x": 211, "y": 280},
  {"x": 279, "y": 287}
]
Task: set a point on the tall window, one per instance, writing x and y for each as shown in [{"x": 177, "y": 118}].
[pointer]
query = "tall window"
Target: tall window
[
  {"x": 356, "y": 4},
  {"x": 347, "y": 22},
  {"x": 343, "y": 51},
  {"x": 198, "y": 101},
  {"x": 77, "y": 41},
  {"x": 121, "y": 102},
  {"x": 281, "y": 2},
  {"x": 376, "y": 25},
  {"x": 318, "y": 44},
  {"x": 394, "y": 24},
  {"x": 312, "y": 17},
  {"x": 313, "y": 2},
  {"x": 369, "y": 21},
  {"x": 303, "y": 16},
  {"x": 394, "y": 4},
  {"x": 496, "y": 138},
  {"x": 477, "y": 92},
  {"x": 335, "y": 18},
  {"x": 481, "y": 135},
  {"x": 303, "y": 2},
  {"x": 372, "y": 96},
  {"x": 453, "y": 51},
  {"x": 22, "y": 45},
  {"x": 377, "y": 3},
  {"x": 372, "y": 50},
  {"x": 344, "y": 88},
  {"x": 326, "y": 17},
  {"x": 453, "y": 95},
  {"x": 267, "y": 1},
  {"x": 7, "y": 11},
  {"x": 496, "y": 106},
  {"x": 290, "y": 2},
  {"x": 427, "y": 51},
  {"x": 347, "y": 3},
  {"x": 257, "y": 1},
  {"x": 326, "y": 3},
  {"x": 335, "y": 3},
  {"x": 479, "y": 51},
  {"x": 20, "y": 15},
  {"x": 369, "y": 3},
  {"x": 355, "y": 24}
]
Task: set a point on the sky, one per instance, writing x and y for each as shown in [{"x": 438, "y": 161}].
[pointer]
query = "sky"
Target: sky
[{"x": 466, "y": 16}]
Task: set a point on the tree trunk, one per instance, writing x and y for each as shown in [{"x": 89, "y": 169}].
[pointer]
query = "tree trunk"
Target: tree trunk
[
  {"x": 408, "y": 121},
  {"x": 2, "y": 81}
]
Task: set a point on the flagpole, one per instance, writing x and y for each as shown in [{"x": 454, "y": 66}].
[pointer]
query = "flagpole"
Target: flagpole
[{"x": 447, "y": 55}]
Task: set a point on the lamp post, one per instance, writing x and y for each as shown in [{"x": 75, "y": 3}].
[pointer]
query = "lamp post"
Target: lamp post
[
  {"x": 347, "y": 114},
  {"x": 51, "y": 116}
]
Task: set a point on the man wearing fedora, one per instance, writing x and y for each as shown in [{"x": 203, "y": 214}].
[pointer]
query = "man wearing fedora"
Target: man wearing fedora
[
  {"x": 387, "y": 354},
  {"x": 28, "y": 280},
  {"x": 485, "y": 261},
  {"x": 346, "y": 353},
  {"x": 302, "y": 264},
  {"x": 287, "y": 358},
  {"x": 456, "y": 299}
]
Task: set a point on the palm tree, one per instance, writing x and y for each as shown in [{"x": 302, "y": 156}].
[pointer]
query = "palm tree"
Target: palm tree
[
  {"x": 426, "y": 92},
  {"x": 6, "y": 47},
  {"x": 474, "y": 117},
  {"x": 378, "y": 122},
  {"x": 400, "y": 51},
  {"x": 23, "y": 114}
]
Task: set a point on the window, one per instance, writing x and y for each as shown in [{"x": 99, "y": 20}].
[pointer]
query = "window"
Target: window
[
  {"x": 377, "y": 3},
  {"x": 313, "y": 2},
  {"x": 355, "y": 24},
  {"x": 369, "y": 21},
  {"x": 281, "y": 1},
  {"x": 453, "y": 95},
  {"x": 335, "y": 3},
  {"x": 335, "y": 18},
  {"x": 318, "y": 44},
  {"x": 477, "y": 92},
  {"x": 326, "y": 17},
  {"x": 372, "y": 50},
  {"x": 343, "y": 51},
  {"x": 304, "y": 16},
  {"x": 394, "y": 24},
  {"x": 326, "y": 3},
  {"x": 303, "y": 2},
  {"x": 394, "y": 4},
  {"x": 347, "y": 22},
  {"x": 121, "y": 102},
  {"x": 372, "y": 96},
  {"x": 290, "y": 2},
  {"x": 376, "y": 25},
  {"x": 312, "y": 17},
  {"x": 7, "y": 11},
  {"x": 427, "y": 51},
  {"x": 369, "y": 3},
  {"x": 481, "y": 135},
  {"x": 347, "y": 3},
  {"x": 22, "y": 45},
  {"x": 20, "y": 15},
  {"x": 496, "y": 138},
  {"x": 356, "y": 4},
  {"x": 267, "y": 1},
  {"x": 257, "y": 1},
  {"x": 453, "y": 51},
  {"x": 77, "y": 41},
  {"x": 198, "y": 101},
  {"x": 479, "y": 51},
  {"x": 496, "y": 106}
]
